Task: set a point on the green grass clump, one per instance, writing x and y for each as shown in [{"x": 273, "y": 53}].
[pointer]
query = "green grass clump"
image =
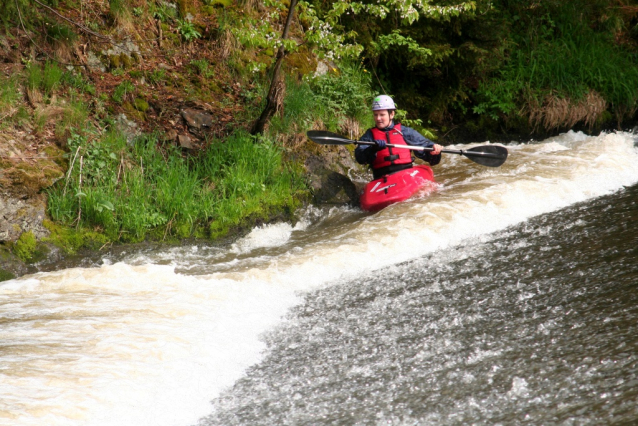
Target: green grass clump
[
  {"x": 46, "y": 78},
  {"x": 9, "y": 95},
  {"x": 128, "y": 193}
]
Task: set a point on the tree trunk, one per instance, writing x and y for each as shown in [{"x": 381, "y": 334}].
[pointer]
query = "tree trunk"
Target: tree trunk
[{"x": 272, "y": 100}]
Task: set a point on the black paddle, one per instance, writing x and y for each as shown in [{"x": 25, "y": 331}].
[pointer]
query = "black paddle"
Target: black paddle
[{"x": 486, "y": 155}]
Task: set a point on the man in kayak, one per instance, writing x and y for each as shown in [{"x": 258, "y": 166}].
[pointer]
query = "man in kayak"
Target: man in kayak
[{"x": 384, "y": 159}]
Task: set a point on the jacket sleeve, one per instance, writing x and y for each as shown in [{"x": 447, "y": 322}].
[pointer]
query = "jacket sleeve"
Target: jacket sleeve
[
  {"x": 365, "y": 154},
  {"x": 412, "y": 137}
]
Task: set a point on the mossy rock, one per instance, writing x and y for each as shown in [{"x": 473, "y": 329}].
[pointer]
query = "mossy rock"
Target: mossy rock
[
  {"x": 302, "y": 62},
  {"x": 140, "y": 105},
  {"x": 6, "y": 275},
  {"x": 126, "y": 60},
  {"x": 33, "y": 177},
  {"x": 71, "y": 240},
  {"x": 115, "y": 61},
  {"x": 56, "y": 155},
  {"x": 133, "y": 112},
  {"x": 24, "y": 247}
]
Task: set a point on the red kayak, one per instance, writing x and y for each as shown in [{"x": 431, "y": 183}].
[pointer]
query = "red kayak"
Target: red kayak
[{"x": 396, "y": 187}]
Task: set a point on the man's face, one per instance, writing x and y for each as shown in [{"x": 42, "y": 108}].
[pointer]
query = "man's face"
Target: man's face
[{"x": 382, "y": 118}]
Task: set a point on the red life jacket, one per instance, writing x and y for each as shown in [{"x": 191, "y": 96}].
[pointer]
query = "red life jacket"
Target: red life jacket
[{"x": 388, "y": 157}]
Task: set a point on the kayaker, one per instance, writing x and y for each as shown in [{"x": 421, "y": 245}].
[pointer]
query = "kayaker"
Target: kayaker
[{"x": 383, "y": 159}]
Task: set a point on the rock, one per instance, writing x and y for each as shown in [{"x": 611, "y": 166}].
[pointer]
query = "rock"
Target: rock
[
  {"x": 322, "y": 69},
  {"x": 127, "y": 127},
  {"x": 123, "y": 54},
  {"x": 22, "y": 215},
  {"x": 335, "y": 177},
  {"x": 197, "y": 119},
  {"x": 94, "y": 63},
  {"x": 185, "y": 142},
  {"x": 171, "y": 135}
]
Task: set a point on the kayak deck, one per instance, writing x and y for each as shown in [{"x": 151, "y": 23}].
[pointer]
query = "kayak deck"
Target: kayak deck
[{"x": 395, "y": 187}]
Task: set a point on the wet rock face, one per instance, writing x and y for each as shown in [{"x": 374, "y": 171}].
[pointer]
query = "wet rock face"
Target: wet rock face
[{"x": 334, "y": 176}]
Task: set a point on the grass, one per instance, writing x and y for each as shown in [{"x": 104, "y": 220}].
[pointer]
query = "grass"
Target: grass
[
  {"x": 9, "y": 96},
  {"x": 130, "y": 194}
]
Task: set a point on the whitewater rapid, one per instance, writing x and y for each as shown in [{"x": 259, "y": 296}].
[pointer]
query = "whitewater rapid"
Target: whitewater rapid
[{"x": 152, "y": 338}]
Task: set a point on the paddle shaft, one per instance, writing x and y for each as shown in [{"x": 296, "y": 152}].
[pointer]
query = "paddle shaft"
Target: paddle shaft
[{"x": 422, "y": 148}]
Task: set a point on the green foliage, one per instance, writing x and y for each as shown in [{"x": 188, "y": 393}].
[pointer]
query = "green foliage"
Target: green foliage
[
  {"x": 395, "y": 41},
  {"x": 75, "y": 118},
  {"x": 78, "y": 81},
  {"x": 202, "y": 67},
  {"x": 61, "y": 33},
  {"x": 156, "y": 77},
  {"x": 122, "y": 90},
  {"x": 118, "y": 9},
  {"x": 52, "y": 77},
  {"x": 164, "y": 11},
  {"x": 9, "y": 94},
  {"x": 346, "y": 91},
  {"x": 47, "y": 78},
  {"x": 187, "y": 30},
  {"x": 129, "y": 192},
  {"x": 560, "y": 54}
]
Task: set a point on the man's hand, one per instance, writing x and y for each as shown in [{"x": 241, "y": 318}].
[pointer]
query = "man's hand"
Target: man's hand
[{"x": 380, "y": 144}]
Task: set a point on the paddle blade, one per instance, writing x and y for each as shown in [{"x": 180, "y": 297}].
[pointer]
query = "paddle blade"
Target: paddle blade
[
  {"x": 327, "y": 138},
  {"x": 487, "y": 155}
]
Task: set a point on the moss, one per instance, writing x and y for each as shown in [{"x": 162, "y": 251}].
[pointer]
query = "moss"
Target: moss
[
  {"x": 56, "y": 155},
  {"x": 184, "y": 7},
  {"x": 126, "y": 60},
  {"x": 71, "y": 240},
  {"x": 140, "y": 104},
  {"x": 25, "y": 246},
  {"x": 132, "y": 112},
  {"x": 219, "y": 3},
  {"x": 182, "y": 230},
  {"x": 302, "y": 62},
  {"x": 6, "y": 275},
  {"x": 114, "y": 61}
]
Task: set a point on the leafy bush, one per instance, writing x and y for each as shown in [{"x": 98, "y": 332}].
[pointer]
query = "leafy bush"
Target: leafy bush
[{"x": 345, "y": 92}]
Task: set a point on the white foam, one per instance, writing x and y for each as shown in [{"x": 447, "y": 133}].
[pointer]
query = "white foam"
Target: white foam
[{"x": 264, "y": 236}]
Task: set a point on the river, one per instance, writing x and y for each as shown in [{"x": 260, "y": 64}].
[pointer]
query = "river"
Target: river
[{"x": 508, "y": 296}]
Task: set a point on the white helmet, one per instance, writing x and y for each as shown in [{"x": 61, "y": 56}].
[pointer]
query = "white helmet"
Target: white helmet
[{"x": 382, "y": 102}]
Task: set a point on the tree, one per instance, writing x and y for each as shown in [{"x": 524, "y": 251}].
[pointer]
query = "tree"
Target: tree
[{"x": 272, "y": 100}]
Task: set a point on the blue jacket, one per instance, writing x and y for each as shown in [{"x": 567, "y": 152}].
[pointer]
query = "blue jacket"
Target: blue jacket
[{"x": 365, "y": 154}]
